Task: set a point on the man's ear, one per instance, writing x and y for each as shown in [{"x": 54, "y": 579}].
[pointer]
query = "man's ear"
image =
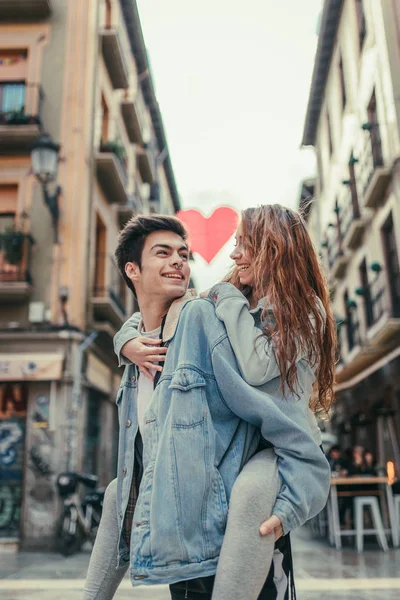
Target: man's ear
[{"x": 132, "y": 271}]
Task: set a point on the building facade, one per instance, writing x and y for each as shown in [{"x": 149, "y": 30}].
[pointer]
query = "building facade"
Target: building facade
[
  {"x": 353, "y": 123},
  {"x": 79, "y": 72}
]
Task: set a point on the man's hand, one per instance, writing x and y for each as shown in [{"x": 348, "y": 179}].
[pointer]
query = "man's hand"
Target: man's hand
[
  {"x": 145, "y": 353},
  {"x": 273, "y": 524}
]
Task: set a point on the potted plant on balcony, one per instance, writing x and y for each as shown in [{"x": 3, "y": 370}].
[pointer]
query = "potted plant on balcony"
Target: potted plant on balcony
[
  {"x": 12, "y": 245},
  {"x": 19, "y": 117},
  {"x": 115, "y": 148}
]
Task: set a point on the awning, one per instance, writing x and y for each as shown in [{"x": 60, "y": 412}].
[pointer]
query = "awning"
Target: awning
[
  {"x": 31, "y": 367},
  {"x": 368, "y": 371},
  {"x": 98, "y": 374}
]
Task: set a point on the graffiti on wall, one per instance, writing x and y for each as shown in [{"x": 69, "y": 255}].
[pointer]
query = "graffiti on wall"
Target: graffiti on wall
[
  {"x": 13, "y": 410},
  {"x": 40, "y": 476}
]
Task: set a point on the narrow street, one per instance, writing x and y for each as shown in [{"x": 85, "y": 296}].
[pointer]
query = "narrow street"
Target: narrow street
[{"x": 320, "y": 571}]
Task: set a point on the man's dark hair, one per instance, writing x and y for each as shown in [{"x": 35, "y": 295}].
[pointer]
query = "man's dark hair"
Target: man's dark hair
[{"x": 133, "y": 236}]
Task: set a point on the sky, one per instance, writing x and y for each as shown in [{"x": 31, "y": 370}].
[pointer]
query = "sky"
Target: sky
[{"x": 232, "y": 79}]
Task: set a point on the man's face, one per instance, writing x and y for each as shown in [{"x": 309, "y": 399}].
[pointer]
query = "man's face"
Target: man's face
[{"x": 165, "y": 270}]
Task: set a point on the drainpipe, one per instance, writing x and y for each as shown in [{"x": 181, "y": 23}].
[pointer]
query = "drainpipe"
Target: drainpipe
[{"x": 76, "y": 403}]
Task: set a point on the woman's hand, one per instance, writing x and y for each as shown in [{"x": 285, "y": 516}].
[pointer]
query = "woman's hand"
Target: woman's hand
[
  {"x": 273, "y": 524},
  {"x": 145, "y": 354}
]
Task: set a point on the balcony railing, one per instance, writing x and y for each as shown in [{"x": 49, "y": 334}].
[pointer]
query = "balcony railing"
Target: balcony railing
[
  {"x": 134, "y": 115},
  {"x": 378, "y": 300},
  {"x": 24, "y": 10},
  {"x": 111, "y": 164},
  {"x": 15, "y": 258},
  {"x": 113, "y": 55},
  {"x": 337, "y": 258},
  {"x": 374, "y": 176},
  {"x": 109, "y": 292},
  {"x": 20, "y": 115},
  {"x": 145, "y": 160},
  {"x": 352, "y": 224}
]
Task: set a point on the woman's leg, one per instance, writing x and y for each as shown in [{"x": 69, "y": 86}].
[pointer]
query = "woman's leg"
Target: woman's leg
[
  {"x": 246, "y": 555},
  {"x": 103, "y": 577}
]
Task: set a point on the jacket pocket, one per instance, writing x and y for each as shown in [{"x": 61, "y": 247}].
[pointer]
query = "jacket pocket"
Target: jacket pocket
[{"x": 188, "y": 399}]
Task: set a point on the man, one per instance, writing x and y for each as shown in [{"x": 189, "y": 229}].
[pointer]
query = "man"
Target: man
[{"x": 197, "y": 431}]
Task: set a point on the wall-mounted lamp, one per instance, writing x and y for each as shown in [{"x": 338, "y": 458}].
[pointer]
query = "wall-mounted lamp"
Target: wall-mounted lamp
[
  {"x": 44, "y": 157},
  {"x": 368, "y": 126},
  {"x": 351, "y": 304},
  {"x": 375, "y": 267}
]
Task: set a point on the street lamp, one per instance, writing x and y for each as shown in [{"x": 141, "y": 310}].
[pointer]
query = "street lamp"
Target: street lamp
[{"x": 44, "y": 157}]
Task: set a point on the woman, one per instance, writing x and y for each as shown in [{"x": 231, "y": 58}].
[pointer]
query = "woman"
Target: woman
[{"x": 289, "y": 326}]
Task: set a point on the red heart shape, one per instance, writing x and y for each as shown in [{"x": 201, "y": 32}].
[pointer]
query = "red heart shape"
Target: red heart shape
[{"x": 207, "y": 235}]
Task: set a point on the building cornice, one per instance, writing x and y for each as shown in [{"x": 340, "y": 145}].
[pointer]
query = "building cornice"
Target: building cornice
[
  {"x": 329, "y": 24},
  {"x": 135, "y": 33}
]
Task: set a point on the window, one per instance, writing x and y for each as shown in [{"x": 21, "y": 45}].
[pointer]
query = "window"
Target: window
[
  {"x": 363, "y": 271},
  {"x": 320, "y": 169},
  {"x": 108, "y": 14},
  {"x": 349, "y": 321},
  {"x": 13, "y": 65},
  {"x": 361, "y": 22},
  {"x": 342, "y": 83},
  {"x": 376, "y": 144},
  {"x": 12, "y": 97},
  {"x": 392, "y": 264},
  {"x": 330, "y": 145},
  {"x": 100, "y": 258},
  {"x": 353, "y": 189},
  {"x": 12, "y": 57},
  {"x": 105, "y": 120}
]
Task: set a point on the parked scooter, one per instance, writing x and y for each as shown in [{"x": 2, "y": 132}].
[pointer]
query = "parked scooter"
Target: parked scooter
[{"x": 79, "y": 521}]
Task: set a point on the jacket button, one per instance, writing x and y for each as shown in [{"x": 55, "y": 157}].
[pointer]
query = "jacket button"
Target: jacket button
[
  {"x": 128, "y": 423},
  {"x": 124, "y": 470},
  {"x": 133, "y": 379},
  {"x": 121, "y": 516}
]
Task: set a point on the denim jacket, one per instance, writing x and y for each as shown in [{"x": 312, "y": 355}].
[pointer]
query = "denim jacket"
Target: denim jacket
[
  {"x": 254, "y": 353},
  {"x": 202, "y": 425}
]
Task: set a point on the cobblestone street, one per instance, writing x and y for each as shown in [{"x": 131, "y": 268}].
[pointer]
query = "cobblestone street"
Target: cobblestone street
[{"x": 320, "y": 571}]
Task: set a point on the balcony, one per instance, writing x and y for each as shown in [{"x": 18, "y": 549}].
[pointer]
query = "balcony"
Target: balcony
[
  {"x": 20, "y": 109},
  {"x": 385, "y": 327},
  {"x": 145, "y": 162},
  {"x": 111, "y": 167},
  {"x": 15, "y": 277},
  {"x": 337, "y": 258},
  {"x": 373, "y": 174},
  {"x": 109, "y": 294},
  {"x": 114, "y": 57},
  {"x": 24, "y": 10},
  {"x": 132, "y": 123},
  {"x": 131, "y": 208},
  {"x": 353, "y": 224}
]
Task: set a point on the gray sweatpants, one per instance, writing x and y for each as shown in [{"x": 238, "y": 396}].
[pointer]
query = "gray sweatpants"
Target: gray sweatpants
[{"x": 245, "y": 556}]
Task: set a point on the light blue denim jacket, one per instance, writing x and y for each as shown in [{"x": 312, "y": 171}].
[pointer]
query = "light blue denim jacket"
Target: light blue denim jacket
[{"x": 203, "y": 424}]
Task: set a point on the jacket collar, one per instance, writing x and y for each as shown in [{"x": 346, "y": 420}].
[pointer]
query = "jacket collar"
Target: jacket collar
[{"x": 171, "y": 320}]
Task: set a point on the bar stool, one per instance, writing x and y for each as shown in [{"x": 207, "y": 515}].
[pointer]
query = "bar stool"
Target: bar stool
[
  {"x": 396, "y": 498},
  {"x": 371, "y": 502}
]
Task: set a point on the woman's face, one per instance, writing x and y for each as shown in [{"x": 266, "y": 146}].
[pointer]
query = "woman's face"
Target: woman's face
[{"x": 243, "y": 259}]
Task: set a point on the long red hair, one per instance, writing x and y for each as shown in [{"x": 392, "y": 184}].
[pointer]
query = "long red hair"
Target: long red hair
[{"x": 288, "y": 274}]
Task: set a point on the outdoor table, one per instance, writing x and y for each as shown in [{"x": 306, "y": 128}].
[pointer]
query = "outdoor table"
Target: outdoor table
[{"x": 335, "y": 532}]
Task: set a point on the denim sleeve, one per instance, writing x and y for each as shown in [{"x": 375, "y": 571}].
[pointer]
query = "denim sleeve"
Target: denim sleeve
[
  {"x": 254, "y": 352},
  {"x": 128, "y": 331},
  {"x": 303, "y": 469}
]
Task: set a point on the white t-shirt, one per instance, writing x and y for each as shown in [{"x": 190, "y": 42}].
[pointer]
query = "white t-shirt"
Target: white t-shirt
[{"x": 146, "y": 385}]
